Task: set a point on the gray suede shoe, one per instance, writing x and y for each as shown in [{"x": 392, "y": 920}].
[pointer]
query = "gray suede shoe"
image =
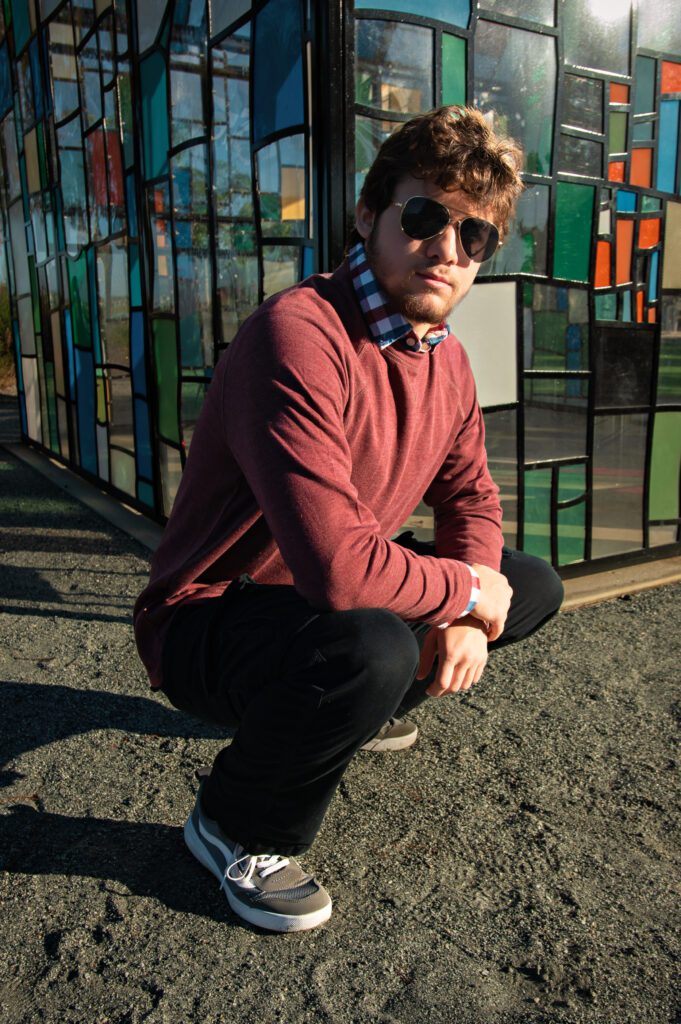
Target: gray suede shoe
[{"x": 396, "y": 734}]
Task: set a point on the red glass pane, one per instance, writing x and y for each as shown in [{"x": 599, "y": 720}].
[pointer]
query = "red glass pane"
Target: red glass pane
[
  {"x": 671, "y": 77},
  {"x": 649, "y": 233},
  {"x": 641, "y": 168},
  {"x": 639, "y": 307},
  {"x": 619, "y": 93},
  {"x": 625, "y": 245},
  {"x": 616, "y": 170},
  {"x": 602, "y": 274}
]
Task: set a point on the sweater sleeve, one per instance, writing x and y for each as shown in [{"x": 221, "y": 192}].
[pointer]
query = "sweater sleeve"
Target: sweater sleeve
[
  {"x": 283, "y": 401},
  {"x": 463, "y": 495}
]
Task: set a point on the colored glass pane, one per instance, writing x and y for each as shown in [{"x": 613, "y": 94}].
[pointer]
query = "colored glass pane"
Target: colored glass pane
[
  {"x": 163, "y": 265},
  {"x": 625, "y": 306},
  {"x": 555, "y": 418},
  {"x": 580, "y": 156},
  {"x": 593, "y": 41},
  {"x": 671, "y": 274},
  {"x": 571, "y": 523},
  {"x": 624, "y": 233},
  {"x": 394, "y": 66},
  {"x": 644, "y": 89},
  {"x": 583, "y": 103},
  {"x": 22, "y": 24},
  {"x": 123, "y": 471},
  {"x": 669, "y": 366},
  {"x": 453, "y": 69},
  {"x": 85, "y": 404},
  {"x": 114, "y": 303},
  {"x": 72, "y": 182},
  {"x": 618, "y": 475},
  {"x": 522, "y": 66},
  {"x": 170, "y": 466},
  {"x": 668, "y": 144},
  {"x": 226, "y": 13},
  {"x": 80, "y": 301},
  {"x": 619, "y": 93},
  {"x": 649, "y": 232},
  {"x": 653, "y": 275},
  {"x": 149, "y": 18},
  {"x": 281, "y": 185},
  {"x": 642, "y": 131},
  {"x": 277, "y": 68},
  {"x": 605, "y": 306},
  {"x": 502, "y": 457},
  {"x": 165, "y": 365},
  {"x": 31, "y": 157},
  {"x": 537, "y": 520},
  {"x": 639, "y": 307},
  {"x": 5, "y": 81},
  {"x": 143, "y": 438},
  {"x": 641, "y": 167},
  {"x": 625, "y": 201},
  {"x": 671, "y": 77},
  {"x": 623, "y": 362},
  {"x": 617, "y": 141},
  {"x": 137, "y": 353},
  {"x": 525, "y": 245},
  {"x": 97, "y": 184},
  {"x": 616, "y": 170},
  {"x": 603, "y": 274},
  {"x": 556, "y": 330},
  {"x": 155, "y": 137},
  {"x": 573, "y": 228},
  {"x": 454, "y": 12}
]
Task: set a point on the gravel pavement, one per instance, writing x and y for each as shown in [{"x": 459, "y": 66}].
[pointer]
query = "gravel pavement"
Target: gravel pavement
[{"x": 519, "y": 865}]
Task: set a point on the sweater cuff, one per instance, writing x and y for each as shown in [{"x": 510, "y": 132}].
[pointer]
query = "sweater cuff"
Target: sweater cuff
[{"x": 473, "y": 598}]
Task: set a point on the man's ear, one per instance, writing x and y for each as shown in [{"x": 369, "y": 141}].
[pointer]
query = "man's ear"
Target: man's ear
[{"x": 364, "y": 219}]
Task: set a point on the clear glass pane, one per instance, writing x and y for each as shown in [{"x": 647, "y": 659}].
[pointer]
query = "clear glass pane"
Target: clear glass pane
[
  {"x": 515, "y": 82},
  {"x": 618, "y": 474},
  {"x": 659, "y": 26},
  {"x": 556, "y": 328},
  {"x": 525, "y": 246},
  {"x": 97, "y": 186},
  {"x": 162, "y": 270},
  {"x": 114, "y": 302},
  {"x": 120, "y": 416},
  {"x": 281, "y": 184},
  {"x": 369, "y": 136},
  {"x": 502, "y": 459},
  {"x": 278, "y": 68},
  {"x": 280, "y": 267},
  {"x": 669, "y": 370},
  {"x": 193, "y": 394},
  {"x": 583, "y": 103},
  {"x": 90, "y": 83},
  {"x": 454, "y": 12},
  {"x": 225, "y": 12},
  {"x": 580, "y": 156},
  {"x": 596, "y": 35},
  {"x": 555, "y": 418},
  {"x": 532, "y": 10},
  {"x": 73, "y": 194},
  {"x": 237, "y": 276},
  {"x": 187, "y": 70},
  {"x": 394, "y": 66}
]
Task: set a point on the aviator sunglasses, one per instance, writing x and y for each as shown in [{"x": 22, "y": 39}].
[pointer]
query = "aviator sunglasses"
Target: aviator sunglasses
[{"x": 424, "y": 218}]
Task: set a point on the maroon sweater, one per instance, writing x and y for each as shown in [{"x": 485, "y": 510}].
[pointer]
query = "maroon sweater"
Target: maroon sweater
[{"x": 312, "y": 448}]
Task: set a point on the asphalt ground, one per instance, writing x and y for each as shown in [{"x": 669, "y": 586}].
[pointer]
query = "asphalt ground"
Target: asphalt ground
[{"x": 519, "y": 865}]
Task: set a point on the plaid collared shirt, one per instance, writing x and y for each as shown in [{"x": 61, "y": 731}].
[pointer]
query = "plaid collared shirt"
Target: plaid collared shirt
[{"x": 385, "y": 327}]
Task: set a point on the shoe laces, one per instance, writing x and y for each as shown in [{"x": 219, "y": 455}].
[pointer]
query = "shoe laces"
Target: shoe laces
[{"x": 243, "y": 868}]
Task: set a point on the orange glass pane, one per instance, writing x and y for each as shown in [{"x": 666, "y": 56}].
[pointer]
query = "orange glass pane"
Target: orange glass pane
[
  {"x": 649, "y": 233},
  {"x": 652, "y": 316},
  {"x": 641, "y": 167},
  {"x": 625, "y": 245},
  {"x": 619, "y": 93},
  {"x": 639, "y": 307},
  {"x": 616, "y": 170},
  {"x": 671, "y": 77},
  {"x": 602, "y": 274}
]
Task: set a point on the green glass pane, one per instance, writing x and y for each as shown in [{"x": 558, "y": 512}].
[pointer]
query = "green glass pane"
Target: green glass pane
[
  {"x": 155, "y": 136},
  {"x": 664, "y": 469},
  {"x": 145, "y": 493},
  {"x": 571, "y": 534},
  {"x": 22, "y": 24},
  {"x": 571, "y": 482},
  {"x": 42, "y": 159},
  {"x": 574, "y": 216},
  {"x": 644, "y": 89},
  {"x": 617, "y": 142},
  {"x": 453, "y": 69},
  {"x": 165, "y": 362},
  {"x": 538, "y": 513},
  {"x": 649, "y": 203},
  {"x": 642, "y": 132},
  {"x": 52, "y": 407},
  {"x": 135, "y": 281},
  {"x": 606, "y": 306},
  {"x": 80, "y": 301}
]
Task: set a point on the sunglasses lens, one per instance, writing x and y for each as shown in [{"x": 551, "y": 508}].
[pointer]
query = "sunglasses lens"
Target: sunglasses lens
[
  {"x": 423, "y": 218},
  {"x": 479, "y": 238}
]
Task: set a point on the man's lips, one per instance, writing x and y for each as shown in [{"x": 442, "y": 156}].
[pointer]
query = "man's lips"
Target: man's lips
[{"x": 435, "y": 279}]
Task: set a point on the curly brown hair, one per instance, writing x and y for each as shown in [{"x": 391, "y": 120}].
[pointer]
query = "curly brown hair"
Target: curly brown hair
[{"x": 455, "y": 148}]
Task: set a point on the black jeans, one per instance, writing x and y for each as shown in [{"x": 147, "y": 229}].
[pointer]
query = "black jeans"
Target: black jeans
[{"x": 305, "y": 690}]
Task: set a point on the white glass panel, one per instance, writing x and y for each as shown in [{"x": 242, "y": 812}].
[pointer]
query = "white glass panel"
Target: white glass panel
[
  {"x": 123, "y": 471},
  {"x": 29, "y": 368},
  {"x": 485, "y": 323}
]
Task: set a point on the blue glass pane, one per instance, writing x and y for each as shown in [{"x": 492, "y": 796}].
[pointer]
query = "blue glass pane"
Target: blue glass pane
[
  {"x": 454, "y": 12},
  {"x": 137, "y": 364},
  {"x": 131, "y": 204},
  {"x": 69, "y": 351},
  {"x": 308, "y": 261},
  {"x": 143, "y": 439},
  {"x": 626, "y": 307},
  {"x": 135, "y": 282},
  {"x": 22, "y": 24},
  {"x": 668, "y": 145},
  {"x": 85, "y": 375},
  {"x": 278, "y": 69},
  {"x": 94, "y": 303},
  {"x": 652, "y": 283},
  {"x": 5, "y": 81},
  {"x": 34, "y": 57},
  {"x": 145, "y": 493},
  {"x": 17, "y": 351},
  {"x": 644, "y": 91},
  {"x": 626, "y": 201},
  {"x": 155, "y": 135}
]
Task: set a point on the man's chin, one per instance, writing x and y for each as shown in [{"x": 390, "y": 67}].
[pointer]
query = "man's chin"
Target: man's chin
[{"x": 426, "y": 311}]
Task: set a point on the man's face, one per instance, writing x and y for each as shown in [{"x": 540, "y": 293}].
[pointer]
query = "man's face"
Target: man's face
[{"x": 424, "y": 280}]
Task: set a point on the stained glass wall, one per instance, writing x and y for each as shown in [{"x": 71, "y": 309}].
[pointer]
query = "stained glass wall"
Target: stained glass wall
[
  {"x": 166, "y": 165},
  {"x": 573, "y": 329}
]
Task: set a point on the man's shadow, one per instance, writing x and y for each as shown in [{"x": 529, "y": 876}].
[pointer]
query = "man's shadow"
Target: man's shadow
[{"x": 148, "y": 858}]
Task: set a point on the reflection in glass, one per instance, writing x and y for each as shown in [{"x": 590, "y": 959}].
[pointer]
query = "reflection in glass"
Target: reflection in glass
[
  {"x": 281, "y": 265},
  {"x": 114, "y": 302},
  {"x": 63, "y": 64},
  {"x": 618, "y": 473},
  {"x": 659, "y": 26},
  {"x": 278, "y": 68},
  {"x": 121, "y": 427},
  {"x": 597, "y": 35},
  {"x": 555, "y": 418},
  {"x": 162, "y": 274},
  {"x": 623, "y": 366},
  {"x": 525, "y": 246},
  {"x": 225, "y": 12},
  {"x": 72, "y": 181},
  {"x": 25, "y": 84},
  {"x": 583, "y": 103},
  {"x": 515, "y": 81},
  {"x": 194, "y": 280},
  {"x": 669, "y": 370},
  {"x": 502, "y": 459},
  {"x": 91, "y": 91},
  {"x": 556, "y": 329},
  {"x": 187, "y": 69},
  {"x": 580, "y": 156},
  {"x": 281, "y": 185},
  {"x": 97, "y": 187},
  {"x": 369, "y": 136},
  {"x": 394, "y": 66},
  {"x": 541, "y": 11},
  {"x": 537, "y": 513},
  {"x": 192, "y": 394},
  {"x": 454, "y": 12}
]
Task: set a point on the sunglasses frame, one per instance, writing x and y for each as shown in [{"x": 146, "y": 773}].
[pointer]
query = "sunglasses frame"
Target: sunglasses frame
[{"x": 450, "y": 220}]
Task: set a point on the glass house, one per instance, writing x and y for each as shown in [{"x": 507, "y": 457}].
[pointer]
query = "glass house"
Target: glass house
[{"x": 167, "y": 164}]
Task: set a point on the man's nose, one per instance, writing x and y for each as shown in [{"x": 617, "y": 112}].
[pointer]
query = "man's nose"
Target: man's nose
[{"x": 447, "y": 246}]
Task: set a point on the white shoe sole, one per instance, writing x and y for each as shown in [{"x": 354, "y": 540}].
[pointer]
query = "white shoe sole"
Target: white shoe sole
[{"x": 261, "y": 918}]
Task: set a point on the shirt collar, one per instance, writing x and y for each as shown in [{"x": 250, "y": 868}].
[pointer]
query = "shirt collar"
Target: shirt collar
[{"x": 385, "y": 326}]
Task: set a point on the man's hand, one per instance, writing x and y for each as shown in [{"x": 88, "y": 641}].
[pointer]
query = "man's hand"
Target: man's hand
[
  {"x": 494, "y": 601},
  {"x": 461, "y": 651}
]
